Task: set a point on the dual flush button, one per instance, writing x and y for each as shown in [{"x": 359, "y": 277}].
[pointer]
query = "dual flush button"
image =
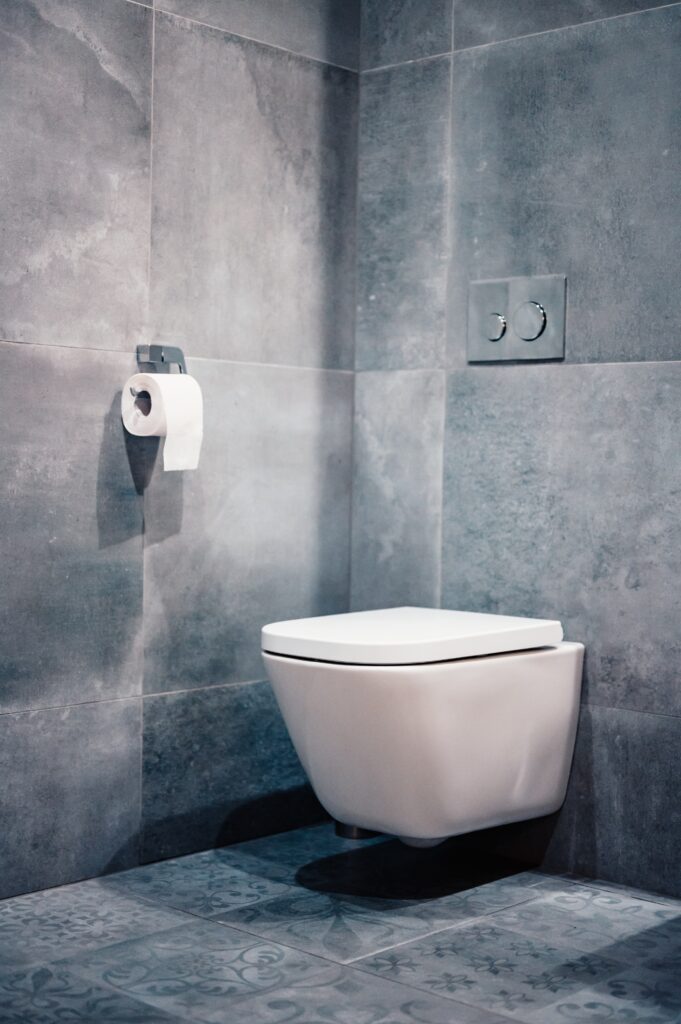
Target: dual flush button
[
  {"x": 529, "y": 322},
  {"x": 516, "y": 319}
]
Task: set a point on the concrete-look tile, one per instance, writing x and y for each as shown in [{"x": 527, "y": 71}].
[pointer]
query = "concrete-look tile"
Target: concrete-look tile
[
  {"x": 561, "y": 501},
  {"x": 621, "y": 819},
  {"x": 75, "y": 78},
  {"x": 43, "y": 927},
  {"x": 327, "y": 30},
  {"x": 397, "y": 488},
  {"x": 477, "y": 22},
  {"x": 252, "y": 243},
  {"x": 355, "y": 996},
  {"x": 492, "y": 968},
  {"x": 197, "y": 970},
  {"x": 70, "y": 805},
  {"x": 218, "y": 767},
  {"x": 560, "y": 169},
  {"x": 46, "y": 994},
  {"x": 402, "y": 232},
  {"x": 204, "y": 884},
  {"x": 394, "y": 31},
  {"x": 258, "y": 534},
  {"x": 71, "y": 540}
]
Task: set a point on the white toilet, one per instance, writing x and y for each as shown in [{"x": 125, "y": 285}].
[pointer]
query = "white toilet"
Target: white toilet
[{"x": 425, "y": 723}]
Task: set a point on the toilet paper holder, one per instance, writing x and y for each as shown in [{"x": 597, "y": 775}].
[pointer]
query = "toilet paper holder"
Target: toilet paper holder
[{"x": 160, "y": 358}]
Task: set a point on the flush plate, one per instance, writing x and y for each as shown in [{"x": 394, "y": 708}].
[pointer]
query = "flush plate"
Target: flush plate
[{"x": 516, "y": 319}]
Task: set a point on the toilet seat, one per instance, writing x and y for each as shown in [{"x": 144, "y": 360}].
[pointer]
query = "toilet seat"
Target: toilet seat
[{"x": 407, "y": 636}]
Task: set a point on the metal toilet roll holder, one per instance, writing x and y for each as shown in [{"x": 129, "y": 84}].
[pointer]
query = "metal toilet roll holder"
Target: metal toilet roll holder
[{"x": 158, "y": 359}]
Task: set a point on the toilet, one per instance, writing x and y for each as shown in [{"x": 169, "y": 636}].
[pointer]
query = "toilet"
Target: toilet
[{"x": 426, "y": 723}]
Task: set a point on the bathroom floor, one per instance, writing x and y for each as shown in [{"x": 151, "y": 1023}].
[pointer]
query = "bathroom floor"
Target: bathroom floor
[{"x": 304, "y": 927}]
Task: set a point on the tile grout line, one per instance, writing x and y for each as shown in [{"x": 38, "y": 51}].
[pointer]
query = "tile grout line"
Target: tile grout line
[
  {"x": 258, "y": 42},
  {"x": 510, "y": 39},
  {"x": 134, "y": 696}
]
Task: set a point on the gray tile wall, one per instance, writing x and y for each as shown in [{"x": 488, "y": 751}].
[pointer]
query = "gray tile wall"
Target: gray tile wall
[
  {"x": 132, "y": 599},
  {"x": 561, "y": 482}
]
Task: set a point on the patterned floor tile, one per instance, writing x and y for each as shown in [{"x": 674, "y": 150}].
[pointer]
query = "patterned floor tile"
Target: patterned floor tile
[
  {"x": 492, "y": 968},
  {"x": 197, "y": 971},
  {"x": 347, "y": 928},
  {"x": 612, "y": 924},
  {"x": 203, "y": 883},
  {"x": 46, "y": 994},
  {"x": 351, "y": 997},
  {"x": 46, "y": 926},
  {"x": 634, "y": 997}
]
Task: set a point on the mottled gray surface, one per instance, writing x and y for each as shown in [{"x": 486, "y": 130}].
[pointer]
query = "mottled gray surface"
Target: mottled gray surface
[
  {"x": 218, "y": 767},
  {"x": 397, "y": 489},
  {"x": 561, "y": 501},
  {"x": 254, "y": 200},
  {"x": 327, "y": 30},
  {"x": 477, "y": 22},
  {"x": 567, "y": 160},
  {"x": 402, "y": 231},
  {"x": 394, "y": 31},
  {"x": 75, "y": 78},
  {"x": 622, "y": 818},
  {"x": 71, "y": 537},
  {"x": 259, "y": 533},
  {"x": 70, "y": 804}
]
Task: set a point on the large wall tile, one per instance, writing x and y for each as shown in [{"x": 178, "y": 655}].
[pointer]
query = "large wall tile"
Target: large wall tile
[
  {"x": 71, "y": 538},
  {"x": 477, "y": 22},
  {"x": 560, "y": 167},
  {"x": 397, "y": 491},
  {"x": 621, "y": 820},
  {"x": 70, "y": 804},
  {"x": 561, "y": 501},
  {"x": 394, "y": 31},
  {"x": 327, "y": 30},
  {"x": 218, "y": 768},
  {"x": 253, "y": 200},
  {"x": 75, "y": 78},
  {"x": 402, "y": 234},
  {"x": 259, "y": 533}
]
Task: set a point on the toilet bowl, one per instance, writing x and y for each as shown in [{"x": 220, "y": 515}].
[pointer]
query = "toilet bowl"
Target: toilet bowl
[{"x": 426, "y": 723}]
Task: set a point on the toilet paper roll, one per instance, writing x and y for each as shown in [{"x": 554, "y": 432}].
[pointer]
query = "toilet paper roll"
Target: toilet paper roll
[{"x": 166, "y": 405}]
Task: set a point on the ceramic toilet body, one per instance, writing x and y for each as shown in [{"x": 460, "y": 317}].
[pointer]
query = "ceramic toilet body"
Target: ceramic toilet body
[{"x": 428, "y": 749}]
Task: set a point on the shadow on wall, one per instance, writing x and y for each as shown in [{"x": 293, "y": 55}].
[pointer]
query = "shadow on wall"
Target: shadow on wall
[
  {"x": 217, "y": 825},
  {"x": 125, "y": 458}
]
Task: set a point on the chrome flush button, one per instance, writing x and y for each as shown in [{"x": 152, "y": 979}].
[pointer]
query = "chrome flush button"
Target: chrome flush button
[
  {"x": 529, "y": 321},
  {"x": 496, "y": 326}
]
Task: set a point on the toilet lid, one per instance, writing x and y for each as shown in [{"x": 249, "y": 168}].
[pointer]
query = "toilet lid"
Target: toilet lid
[{"x": 407, "y": 636}]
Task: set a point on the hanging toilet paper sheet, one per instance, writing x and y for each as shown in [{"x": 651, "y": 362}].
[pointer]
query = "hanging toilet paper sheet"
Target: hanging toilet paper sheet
[{"x": 166, "y": 405}]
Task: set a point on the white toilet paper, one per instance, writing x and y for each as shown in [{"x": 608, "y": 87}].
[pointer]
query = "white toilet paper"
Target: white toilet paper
[{"x": 174, "y": 410}]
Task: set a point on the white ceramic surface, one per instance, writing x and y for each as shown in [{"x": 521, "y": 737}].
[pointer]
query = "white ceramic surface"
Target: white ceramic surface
[
  {"x": 406, "y": 636},
  {"x": 433, "y": 750}
]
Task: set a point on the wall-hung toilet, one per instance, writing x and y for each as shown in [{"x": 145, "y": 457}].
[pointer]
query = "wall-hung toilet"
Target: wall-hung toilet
[{"x": 426, "y": 723}]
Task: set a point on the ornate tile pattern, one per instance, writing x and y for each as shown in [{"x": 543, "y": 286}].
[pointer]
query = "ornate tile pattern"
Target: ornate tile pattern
[
  {"x": 307, "y": 928},
  {"x": 50, "y": 925}
]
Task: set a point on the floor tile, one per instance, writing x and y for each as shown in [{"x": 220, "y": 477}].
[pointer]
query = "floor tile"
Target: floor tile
[
  {"x": 195, "y": 971},
  {"x": 51, "y": 995},
  {"x": 642, "y": 997},
  {"x": 350, "y": 997},
  {"x": 614, "y": 925},
  {"x": 492, "y": 968},
  {"x": 46, "y": 926},
  {"x": 350, "y": 927},
  {"x": 203, "y": 883}
]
